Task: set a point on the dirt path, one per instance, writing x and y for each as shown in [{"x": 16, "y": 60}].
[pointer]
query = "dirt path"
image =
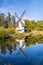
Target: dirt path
[{"x": 34, "y": 33}]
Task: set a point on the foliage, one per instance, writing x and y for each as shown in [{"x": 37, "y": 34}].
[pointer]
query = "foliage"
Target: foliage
[
  {"x": 40, "y": 25},
  {"x": 19, "y": 35},
  {"x": 2, "y": 18},
  {"x": 34, "y": 39},
  {"x": 5, "y": 32},
  {"x": 33, "y": 25}
]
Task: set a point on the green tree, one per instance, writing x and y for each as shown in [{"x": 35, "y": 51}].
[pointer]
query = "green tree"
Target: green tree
[
  {"x": 40, "y": 25},
  {"x": 8, "y": 18},
  {"x": 2, "y": 19},
  {"x": 31, "y": 24}
]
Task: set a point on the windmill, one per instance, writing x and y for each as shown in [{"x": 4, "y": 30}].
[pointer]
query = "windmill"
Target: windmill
[
  {"x": 20, "y": 25},
  {"x": 20, "y": 49}
]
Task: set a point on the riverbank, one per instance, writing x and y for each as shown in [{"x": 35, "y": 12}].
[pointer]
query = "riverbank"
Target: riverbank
[
  {"x": 32, "y": 33},
  {"x": 11, "y": 32},
  {"x": 23, "y": 35},
  {"x": 35, "y": 33}
]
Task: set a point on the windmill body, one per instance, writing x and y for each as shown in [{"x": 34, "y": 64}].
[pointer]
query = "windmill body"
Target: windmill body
[
  {"x": 20, "y": 27},
  {"x": 21, "y": 43}
]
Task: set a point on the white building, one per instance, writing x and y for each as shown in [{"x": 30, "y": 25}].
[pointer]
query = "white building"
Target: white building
[{"x": 20, "y": 27}]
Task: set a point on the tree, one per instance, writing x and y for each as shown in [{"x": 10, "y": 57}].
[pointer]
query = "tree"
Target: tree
[
  {"x": 13, "y": 20},
  {"x": 8, "y": 18},
  {"x": 2, "y": 19},
  {"x": 31, "y": 24},
  {"x": 40, "y": 25}
]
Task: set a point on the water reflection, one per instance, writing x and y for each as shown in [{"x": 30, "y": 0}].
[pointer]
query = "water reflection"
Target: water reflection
[
  {"x": 20, "y": 52},
  {"x": 4, "y": 46},
  {"x": 34, "y": 52},
  {"x": 21, "y": 42},
  {"x": 10, "y": 46}
]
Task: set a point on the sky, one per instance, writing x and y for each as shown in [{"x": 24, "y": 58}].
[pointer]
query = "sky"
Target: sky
[{"x": 34, "y": 8}]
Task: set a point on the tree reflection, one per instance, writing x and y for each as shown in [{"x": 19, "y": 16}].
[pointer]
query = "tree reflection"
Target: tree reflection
[
  {"x": 3, "y": 47},
  {"x": 6, "y": 45},
  {"x": 3, "y": 50},
  {"x": 10, "y": 49},
  {"x": 10, "y": 44}
]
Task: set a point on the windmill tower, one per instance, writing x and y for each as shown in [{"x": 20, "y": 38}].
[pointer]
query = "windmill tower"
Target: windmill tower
[{"x": 20, "y": 25}]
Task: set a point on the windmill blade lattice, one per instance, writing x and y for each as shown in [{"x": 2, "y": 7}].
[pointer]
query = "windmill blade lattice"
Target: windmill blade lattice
[
  {"x": 19, "y": 19},
  {"x": 22, "y": 52},
  {"x": 19, "y": 50},
  {"x": 21, "y": 16}
]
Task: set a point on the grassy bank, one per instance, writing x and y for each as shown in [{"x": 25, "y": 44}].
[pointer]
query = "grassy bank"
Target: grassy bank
[
  {"x": 11, "y": 32},
  {"x": 34, "y": 39}
]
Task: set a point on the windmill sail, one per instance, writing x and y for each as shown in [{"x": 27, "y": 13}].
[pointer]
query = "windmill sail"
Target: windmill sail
[
  {"x": 19, "y": 19},
  {"x": 21, "y": 16},
  {"x": 22, "y": 52}
]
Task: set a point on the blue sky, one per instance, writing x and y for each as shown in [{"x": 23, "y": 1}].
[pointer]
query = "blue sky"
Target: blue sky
[{"x": 34, "y": 8}]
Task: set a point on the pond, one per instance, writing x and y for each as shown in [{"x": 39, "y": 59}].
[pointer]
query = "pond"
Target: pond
[{"x": 12, "y": 54}]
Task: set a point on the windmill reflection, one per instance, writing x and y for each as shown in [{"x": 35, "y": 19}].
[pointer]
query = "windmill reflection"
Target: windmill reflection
[{"x": 7, "y": 45}]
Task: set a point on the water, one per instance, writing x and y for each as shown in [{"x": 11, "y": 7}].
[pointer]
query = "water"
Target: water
[{"x": 34, "y": 55}]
